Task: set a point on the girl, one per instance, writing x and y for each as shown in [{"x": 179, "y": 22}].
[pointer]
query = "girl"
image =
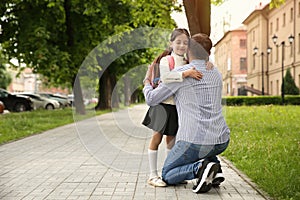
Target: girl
[{"x": 163, "y": 119}]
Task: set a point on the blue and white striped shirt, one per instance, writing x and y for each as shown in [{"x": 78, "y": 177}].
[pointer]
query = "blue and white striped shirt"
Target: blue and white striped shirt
[{"x": 198, "y": 104}]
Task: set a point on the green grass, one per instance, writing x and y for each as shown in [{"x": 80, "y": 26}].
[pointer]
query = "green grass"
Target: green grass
[
  {"x": 15, "y": 126},
  {"x": 265, "y": 141},
  {"x": 265, "y": 145}
]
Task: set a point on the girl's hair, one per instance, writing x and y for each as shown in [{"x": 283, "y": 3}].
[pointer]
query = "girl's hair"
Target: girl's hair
[{"x": 168, "y": 51}]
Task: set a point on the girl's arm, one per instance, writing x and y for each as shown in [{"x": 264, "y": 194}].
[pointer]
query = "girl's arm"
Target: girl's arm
[{"x": 168, "y": 76}]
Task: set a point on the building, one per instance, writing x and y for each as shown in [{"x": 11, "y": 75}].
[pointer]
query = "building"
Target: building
[
  {"x": 270, "y": 61},
  {"x": 27, "y": 81},
  {"x": 231, "y": 59}
]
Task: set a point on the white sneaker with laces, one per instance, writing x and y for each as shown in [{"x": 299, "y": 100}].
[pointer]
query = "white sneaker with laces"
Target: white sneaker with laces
[{"x": 156, "y": 182}]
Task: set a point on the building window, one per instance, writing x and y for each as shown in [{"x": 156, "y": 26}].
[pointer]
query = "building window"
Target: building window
[
  {"x": 299, "y": 43},
  {"x": 277, "y": 24},
  {"x": 271, "y": 28},
  {"x": 243, "y": 43},
  {"x": 253, "y": 36},
  {"x": 277, "y": 87},
  {"x": 283, "y": 20},
  {"x": 243, "y": 63},
  {"x": 277, "y": 54},
  {"x": 292, "y": 14},
  {"x": 253, "y": 66},
  {"x": 271, "y": 87}
]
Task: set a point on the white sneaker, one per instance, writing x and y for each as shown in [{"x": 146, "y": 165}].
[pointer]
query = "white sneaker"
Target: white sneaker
[{"x": 156, "y": 182}]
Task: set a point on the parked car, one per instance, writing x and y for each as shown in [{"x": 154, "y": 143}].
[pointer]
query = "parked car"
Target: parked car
[
  {"x": 63, "y": 101},
  {"x": 15, "y": 103},
  {"x": 42, "y": 102}
]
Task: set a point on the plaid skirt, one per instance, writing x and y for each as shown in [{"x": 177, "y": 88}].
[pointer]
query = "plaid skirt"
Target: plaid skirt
[{"x": 162, "y": 118}]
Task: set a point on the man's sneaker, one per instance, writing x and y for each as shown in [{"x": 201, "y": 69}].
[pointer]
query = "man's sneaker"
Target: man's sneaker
[
  {"x": 206, "y": 174},
  {"x": 157, "y": 182},
  {"x": 219, "y": 178}
]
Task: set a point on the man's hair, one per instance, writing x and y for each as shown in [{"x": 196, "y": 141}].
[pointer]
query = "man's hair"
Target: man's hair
[{"x": 200, "y": 46}]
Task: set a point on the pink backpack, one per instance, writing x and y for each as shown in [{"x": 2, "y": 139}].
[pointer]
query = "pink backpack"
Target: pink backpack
[{"x": 155, "y": 79}]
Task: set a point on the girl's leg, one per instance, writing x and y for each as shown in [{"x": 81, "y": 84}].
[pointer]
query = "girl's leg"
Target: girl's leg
[
  {"x": 154, "y": 179},
  {"x": 170, "y": 141}
]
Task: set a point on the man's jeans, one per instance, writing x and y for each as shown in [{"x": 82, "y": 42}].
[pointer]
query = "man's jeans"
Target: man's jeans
[{"x": 183, "y": 160}]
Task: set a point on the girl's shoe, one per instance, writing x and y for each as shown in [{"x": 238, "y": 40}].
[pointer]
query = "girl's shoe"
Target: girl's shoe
[{"x": 157, "y": 182}]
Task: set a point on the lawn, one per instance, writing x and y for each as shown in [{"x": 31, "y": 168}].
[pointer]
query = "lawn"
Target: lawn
[
  {"x": 265, "y": 141},
  {"x": 265, "y": 145}
]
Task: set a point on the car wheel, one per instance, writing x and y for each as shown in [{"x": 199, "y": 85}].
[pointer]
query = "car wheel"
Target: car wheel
[
  {"x": 49, "y": 107},
  {"x": 20, "y": 107}
]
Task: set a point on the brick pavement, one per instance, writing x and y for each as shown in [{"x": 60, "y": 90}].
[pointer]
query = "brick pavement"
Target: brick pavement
[{"x": 101, "y": 158}]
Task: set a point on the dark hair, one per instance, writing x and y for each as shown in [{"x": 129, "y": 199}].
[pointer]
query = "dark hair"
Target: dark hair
[
  {"x": 200, "y": 46},
  {"x": 168, "y": 51}
]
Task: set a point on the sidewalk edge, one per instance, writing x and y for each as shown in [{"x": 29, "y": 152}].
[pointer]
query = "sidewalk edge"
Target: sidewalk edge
[{"x": 246, "y": 179}]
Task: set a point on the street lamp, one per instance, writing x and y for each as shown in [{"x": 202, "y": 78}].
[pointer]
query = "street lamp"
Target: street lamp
[
  {"x": 269, "y": 49},
  {"x": 282, "y": 44}
]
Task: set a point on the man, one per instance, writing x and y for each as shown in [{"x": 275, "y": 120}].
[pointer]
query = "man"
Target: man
[{"x": 202, "y": 133}]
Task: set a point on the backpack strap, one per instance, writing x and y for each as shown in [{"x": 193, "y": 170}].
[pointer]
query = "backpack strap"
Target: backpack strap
[{"x": 171, "y": 62}]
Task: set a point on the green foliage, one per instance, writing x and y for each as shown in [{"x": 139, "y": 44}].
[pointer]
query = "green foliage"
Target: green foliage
[
  {"x": 259, "y": 100},
  {"x": 265, "y": 146},
  {"x": 289, "y": 84},
  {"x": 5, "y": 78}
]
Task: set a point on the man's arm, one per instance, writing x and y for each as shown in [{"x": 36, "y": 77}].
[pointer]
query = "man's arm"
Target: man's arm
[{"x": 155, "y": 96}]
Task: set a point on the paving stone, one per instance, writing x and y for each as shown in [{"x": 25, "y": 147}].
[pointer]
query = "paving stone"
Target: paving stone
[{"x": 100, "y": 158}]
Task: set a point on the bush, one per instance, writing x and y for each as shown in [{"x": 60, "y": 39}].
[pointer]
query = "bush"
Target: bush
[{"x": 260, "y": 100}]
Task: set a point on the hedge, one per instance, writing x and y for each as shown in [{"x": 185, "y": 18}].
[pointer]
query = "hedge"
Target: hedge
[{"x": 260, "y": 100}]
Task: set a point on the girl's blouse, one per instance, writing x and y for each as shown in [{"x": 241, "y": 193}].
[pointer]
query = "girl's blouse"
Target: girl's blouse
[{"x": 168, "y": 76}]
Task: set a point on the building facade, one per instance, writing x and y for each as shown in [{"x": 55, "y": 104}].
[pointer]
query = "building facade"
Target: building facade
[
  {"x": 269, "y": 62},
  {"x": 231, "y": 59}
]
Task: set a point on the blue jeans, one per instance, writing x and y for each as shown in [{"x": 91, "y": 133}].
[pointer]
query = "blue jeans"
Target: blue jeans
[{"x": 183, "y": 161}]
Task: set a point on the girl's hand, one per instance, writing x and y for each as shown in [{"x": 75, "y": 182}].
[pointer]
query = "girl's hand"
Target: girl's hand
[
  {"x": 192, "y": 73},
  {"x": 209, "y": 65},
  {"x": 148, "y": 75}
]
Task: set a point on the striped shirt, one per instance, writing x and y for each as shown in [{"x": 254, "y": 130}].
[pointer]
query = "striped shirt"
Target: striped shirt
[{"x": 198, "y": 104}]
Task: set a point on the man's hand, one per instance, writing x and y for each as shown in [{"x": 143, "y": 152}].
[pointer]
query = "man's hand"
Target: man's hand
[{"x": 209, "y": 65}]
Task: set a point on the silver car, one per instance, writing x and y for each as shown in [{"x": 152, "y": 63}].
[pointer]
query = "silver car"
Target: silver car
[{"x": 42, "y": 102}]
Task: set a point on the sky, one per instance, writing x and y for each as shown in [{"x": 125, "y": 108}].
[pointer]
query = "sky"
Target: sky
[{"x": 232, "y": 11}]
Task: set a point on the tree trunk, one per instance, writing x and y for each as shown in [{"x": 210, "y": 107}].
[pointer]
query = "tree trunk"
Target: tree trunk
[
  {"x": 127, "y": 91},
  {"x": 78, "y": 99},
  {"x": 198, "y": 15},
  {"x": 115, "y": 95},
  {"x": 105, "y": 92}
]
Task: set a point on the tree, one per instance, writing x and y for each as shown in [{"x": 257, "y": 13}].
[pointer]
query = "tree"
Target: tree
[
  {"x": 5, "y": 78},
  {"x": 54, "y": 37},
  {"x": 198, "y": 13},
  {"x": 289, "y": 84}
]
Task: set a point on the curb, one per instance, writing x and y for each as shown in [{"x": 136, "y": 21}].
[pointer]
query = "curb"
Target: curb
[{"x": 246, "y": 179}]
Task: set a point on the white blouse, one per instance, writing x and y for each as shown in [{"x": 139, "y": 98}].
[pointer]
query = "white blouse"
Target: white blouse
[{"x": 168, "y": 76}]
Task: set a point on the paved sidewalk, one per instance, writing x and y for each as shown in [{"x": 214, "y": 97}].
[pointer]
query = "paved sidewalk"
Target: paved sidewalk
[{"x": 101, "y": 158}]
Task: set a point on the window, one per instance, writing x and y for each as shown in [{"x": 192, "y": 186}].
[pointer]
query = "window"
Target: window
[
  {"x": 253, "y": 36},
  {"x": 277, "y": 87},
  {"x": 283, "y": 20},
  {"x": 277, "y": 54},
  {"x": 277, "y": 24},
  {"x": 271, "y": 28},
  {"x": 243, "y": 63},
  {"x": 242, "y": 43},
  {"x": 292, "y": 14},
  {"x": 299, "y": 43},
  {"x": 271, "y": 87}
]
